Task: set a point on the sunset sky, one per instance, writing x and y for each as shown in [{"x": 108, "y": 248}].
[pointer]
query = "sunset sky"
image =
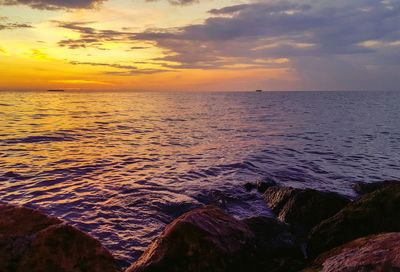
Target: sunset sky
[{"x": 195, "y": 45}]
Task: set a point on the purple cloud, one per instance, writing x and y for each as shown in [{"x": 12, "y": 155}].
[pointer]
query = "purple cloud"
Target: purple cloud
[{"x": 54, "y": 4}]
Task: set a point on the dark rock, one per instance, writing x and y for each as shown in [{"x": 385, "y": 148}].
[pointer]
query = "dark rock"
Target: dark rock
[
  {"x": 373, "y": 213},
  {"x": 276, "y": 248},
  {"x": 365, "y": 188},
  {"x": 177, "y": 208},
  {"x": 20, "y": 221},
  {"x": 33, "y": 241},
  {"x": 277, "y": 197},
  {"x": 264, "y": 184},
  {"x": 249, "y": 186},
  {"x": 272, "y": 238},
  {"x": 373, "y": 253},
  {"x": 205, "y": 239},
  {"x": 303, "y": 208},
  {"x": 261, "y": 185},
  {"x": 64, "y": 248}
]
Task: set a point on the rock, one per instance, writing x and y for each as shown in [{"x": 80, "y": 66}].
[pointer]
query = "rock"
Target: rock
[
  {"x": 249, "y": 186},
  {"x": 263, "y": 184},
  {"x": 373, "y": 253},
  {"x": 277, "y": 197},
  {"x": 205, "y": 239},
  {"x": 276, "y": 248},
  {"x": 33, "y": 241},
  {"x": 272, "y": 238},
  {"x": 373, "y": 213},
  {"x": 303, "y": 208},
  {"x": 365, "y": 188}
]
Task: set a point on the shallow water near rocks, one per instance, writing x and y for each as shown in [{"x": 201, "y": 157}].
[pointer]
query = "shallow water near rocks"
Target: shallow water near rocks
[{"x": 121, "y": 165}]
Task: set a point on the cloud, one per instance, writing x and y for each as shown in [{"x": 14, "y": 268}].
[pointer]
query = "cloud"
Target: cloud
[
  {"x": 54, "y": 4},
  {"x": 75, "y": 4},
  {"x": 178, "y": 2},
  {"x": 91, "y": 37},
  {"x": 139, "y": 47},
  {"x": 8, "y": 26},
  {"x": 127, "y": 70},
  {"x": 311, "y": 38},
  {"x": 259, "y": 33}
]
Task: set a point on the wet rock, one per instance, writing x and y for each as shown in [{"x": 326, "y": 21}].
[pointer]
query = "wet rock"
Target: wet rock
[
  {"x": 249, "y": 186},
  {"x": 303, "y": 208},
  {"x": 261, "y": 185},
  {"x": 205, "y": 239},
  {"x": 218, "y": 198},
  {"x": 175, "y": 208},
  {"x": 265, "y": 183},
  {"x": 373, "y": 213},
  {"x": 33, "y": 241},
  {"x": 276, "y": 248},
  {"x": 374, "y": 253},
  {"x": 64, "y": 248},
  {"x": 272, "y": 238},
  {"x": 365, "y": 188}
]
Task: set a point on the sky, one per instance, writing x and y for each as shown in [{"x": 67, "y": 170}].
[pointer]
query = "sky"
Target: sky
[{"x": 200, "y": 45}]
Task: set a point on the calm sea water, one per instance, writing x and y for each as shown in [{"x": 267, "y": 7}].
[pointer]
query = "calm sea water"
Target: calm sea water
[{"x": 122, "y": 165}]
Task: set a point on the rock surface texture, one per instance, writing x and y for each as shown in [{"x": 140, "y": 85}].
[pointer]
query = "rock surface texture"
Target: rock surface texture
[
  {"x": 205, "y": 239},
  {"x": 33, "y": 241},
  {"x": 276, "y": 248},
  {"x": 303, "y": 208},
  {"x": 376, "y": 253},
  {"x": 373, "y": 213},
  {"x": 365, "y": 188}
]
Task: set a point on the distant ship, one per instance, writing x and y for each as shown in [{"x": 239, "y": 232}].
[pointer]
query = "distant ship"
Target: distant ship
[
  {"x": 259, "y": 91},
  {"x": 55, "y": 90}
]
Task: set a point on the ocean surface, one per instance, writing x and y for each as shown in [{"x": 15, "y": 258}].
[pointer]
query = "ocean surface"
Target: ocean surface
[{"x": 121, "y": 165}]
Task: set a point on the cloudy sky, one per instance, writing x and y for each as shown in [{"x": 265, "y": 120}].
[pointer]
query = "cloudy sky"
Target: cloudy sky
[{"x": 211, "y": 45}]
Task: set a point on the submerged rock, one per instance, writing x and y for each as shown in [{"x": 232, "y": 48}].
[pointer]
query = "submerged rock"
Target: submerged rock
[
  {"x": 265, "y": 183},
  {"x": 261, "y": 185},
  {"x": 365, "y": 188},
  {"x": 373, "y": 213},
  {"x": 33, "y": 241},
  {"x": 374, "y": 253},
  {"x": 276, "y": 248},
  {"x": 249, "y": 186},
  {"x": 205, "y": 239},
  {"x": 303, "y": 208}
]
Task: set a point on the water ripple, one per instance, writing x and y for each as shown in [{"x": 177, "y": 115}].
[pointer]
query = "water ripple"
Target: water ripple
[{"x": 122, "y": 165}]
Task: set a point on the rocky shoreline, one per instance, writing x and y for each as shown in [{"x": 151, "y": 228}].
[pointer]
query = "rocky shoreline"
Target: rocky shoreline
[{"x": 312, "y": 231}]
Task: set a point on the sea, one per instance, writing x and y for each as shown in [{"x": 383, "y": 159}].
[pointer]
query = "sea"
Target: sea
[{"x": 122, "y": 165}]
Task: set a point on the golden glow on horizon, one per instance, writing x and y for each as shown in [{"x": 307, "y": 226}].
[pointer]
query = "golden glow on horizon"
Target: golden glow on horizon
[{"x": 33, "y": 58}]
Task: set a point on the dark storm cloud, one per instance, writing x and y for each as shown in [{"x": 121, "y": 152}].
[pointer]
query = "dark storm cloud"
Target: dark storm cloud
[{"x": 54, "y": 4}]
